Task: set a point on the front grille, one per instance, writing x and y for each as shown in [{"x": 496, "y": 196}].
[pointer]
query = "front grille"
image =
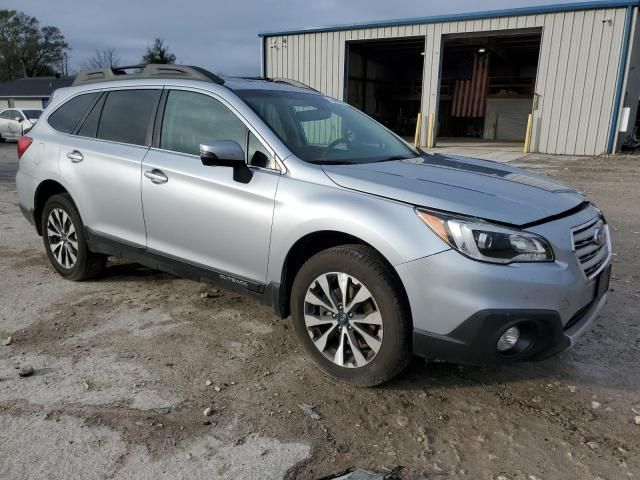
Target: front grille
[{"x": 592, "y": 246}]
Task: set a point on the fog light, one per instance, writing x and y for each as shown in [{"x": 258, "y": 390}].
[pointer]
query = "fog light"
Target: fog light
[{"x": 509, "y": 339}]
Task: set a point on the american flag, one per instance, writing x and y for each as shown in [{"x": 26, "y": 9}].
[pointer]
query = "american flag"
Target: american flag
[{"x": 470, "y": 93}]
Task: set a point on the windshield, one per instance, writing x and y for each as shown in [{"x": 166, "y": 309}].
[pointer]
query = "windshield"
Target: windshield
[
  {"x": 319, "y": 129},
  {"x": 32, "y": 114}
]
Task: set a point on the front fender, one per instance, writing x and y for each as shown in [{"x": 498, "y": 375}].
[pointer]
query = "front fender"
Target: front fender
[{"x": 391, "y": 227}]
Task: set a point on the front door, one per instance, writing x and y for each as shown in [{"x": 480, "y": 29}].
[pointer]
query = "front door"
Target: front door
[{"x": 200, "y": 214}]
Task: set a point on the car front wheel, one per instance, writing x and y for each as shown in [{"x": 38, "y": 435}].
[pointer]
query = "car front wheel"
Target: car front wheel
[{"x": 350, "y": 313}]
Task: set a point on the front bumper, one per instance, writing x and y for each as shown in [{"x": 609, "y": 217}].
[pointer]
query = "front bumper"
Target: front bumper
[
  {"x": 460, "y": 307},
  {"x": 474, "y": 341}
]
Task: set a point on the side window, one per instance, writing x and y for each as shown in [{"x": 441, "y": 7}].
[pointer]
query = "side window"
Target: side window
[
  {"x": 126, "y": 115},
  {"x": 258, "y": 155},
  {"x": 191, "y": 118},
  {"x": 18, "y": 114},
  {"x": 90, "y": 126},
  {"x": 66, "y": 117}
]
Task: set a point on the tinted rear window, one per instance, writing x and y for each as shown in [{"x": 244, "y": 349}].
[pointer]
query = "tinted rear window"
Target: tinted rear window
[
  {"x": 90, "y": 126},
  {"x": 66, "y": 117},
  {"x": 126, "y": 115}
]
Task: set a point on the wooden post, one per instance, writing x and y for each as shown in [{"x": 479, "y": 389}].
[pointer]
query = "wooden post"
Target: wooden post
[
  {"x": 416, "y": 140},
  {"x": 527, "y": 138}
]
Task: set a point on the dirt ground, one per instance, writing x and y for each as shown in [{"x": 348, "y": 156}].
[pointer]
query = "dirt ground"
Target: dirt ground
[{"x": 122, "y": 366}]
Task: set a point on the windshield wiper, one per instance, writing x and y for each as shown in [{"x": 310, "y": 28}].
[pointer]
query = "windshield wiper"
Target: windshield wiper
[
  {"x": 393, "y": 157},
  {"x": 320, "y": 161}
]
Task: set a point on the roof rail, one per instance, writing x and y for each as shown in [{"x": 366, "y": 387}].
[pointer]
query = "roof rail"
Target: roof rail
[
  {"x": 146, "y": 71},
  {"x": 293, "y": 83}
]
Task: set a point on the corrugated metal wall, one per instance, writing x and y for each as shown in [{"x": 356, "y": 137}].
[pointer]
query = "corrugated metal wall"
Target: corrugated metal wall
[{"x": 577, "y": 72}]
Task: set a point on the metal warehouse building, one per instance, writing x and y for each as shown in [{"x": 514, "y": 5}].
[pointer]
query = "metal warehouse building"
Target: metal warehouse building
[{"x": 563, "y": 79}]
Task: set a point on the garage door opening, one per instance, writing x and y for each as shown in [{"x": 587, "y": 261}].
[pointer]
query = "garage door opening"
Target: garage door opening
[
  {"x": 385, "y": 81},
  {"x": 487, "y": 88}
]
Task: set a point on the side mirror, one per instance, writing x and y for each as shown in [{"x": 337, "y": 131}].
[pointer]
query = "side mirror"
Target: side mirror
[
  {"x": 226, "y": 153},
  {"x": 18, "y": 119}
]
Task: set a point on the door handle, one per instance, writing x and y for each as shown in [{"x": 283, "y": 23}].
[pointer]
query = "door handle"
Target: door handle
[
  {"x": 75, "y": 156},
  {"x": 156, "y": 176}
]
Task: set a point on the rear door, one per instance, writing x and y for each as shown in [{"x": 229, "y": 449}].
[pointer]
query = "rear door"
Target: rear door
[
  {"x": 200, "y": 214},
  {"x": 101, "y": 161}
]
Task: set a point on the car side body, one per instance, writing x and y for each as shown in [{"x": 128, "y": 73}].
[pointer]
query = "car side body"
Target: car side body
[{"x": 169, "y": 211}]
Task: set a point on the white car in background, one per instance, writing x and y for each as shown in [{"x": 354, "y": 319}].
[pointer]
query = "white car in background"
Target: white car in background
[{"x": 15, "y": 121}]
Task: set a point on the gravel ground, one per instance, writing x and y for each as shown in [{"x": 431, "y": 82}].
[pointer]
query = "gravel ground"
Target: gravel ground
[{"x": 125, "y": 366}]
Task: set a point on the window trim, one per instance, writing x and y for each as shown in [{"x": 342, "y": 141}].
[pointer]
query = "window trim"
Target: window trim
[{"x": 155, "y": 144}]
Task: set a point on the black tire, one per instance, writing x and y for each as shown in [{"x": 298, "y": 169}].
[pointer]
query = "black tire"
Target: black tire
[
  {"x": 87, "y": 264},
  {"x": 1, "y": 139},
  {"x": 364, "y": 264}
]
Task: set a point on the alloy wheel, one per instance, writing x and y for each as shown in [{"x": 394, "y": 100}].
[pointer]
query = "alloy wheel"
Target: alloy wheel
[
  {"x": 343, "y": 319},
  {"x": 62, "y": 237}
]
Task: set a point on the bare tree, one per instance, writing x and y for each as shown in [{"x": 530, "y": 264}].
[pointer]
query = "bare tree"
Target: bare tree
[
  {"x": 63, "y": 66},
  {"x": 103, "y": 58}
]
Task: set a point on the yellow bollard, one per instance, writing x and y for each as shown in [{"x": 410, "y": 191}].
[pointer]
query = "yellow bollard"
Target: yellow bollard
[
  {"x": 416, "y": 140},
  {"x": 430, "y": 138},
  {"x": 527, "y": 138}
]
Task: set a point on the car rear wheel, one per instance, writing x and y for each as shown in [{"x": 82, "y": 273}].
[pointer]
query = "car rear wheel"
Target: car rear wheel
[
  {"x": 65, "y": 242},
  {"x": 350, "y": 313}
]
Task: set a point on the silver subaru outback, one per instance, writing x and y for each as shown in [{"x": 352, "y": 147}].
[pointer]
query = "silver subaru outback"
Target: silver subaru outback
[{"x": 265, "y": 187}]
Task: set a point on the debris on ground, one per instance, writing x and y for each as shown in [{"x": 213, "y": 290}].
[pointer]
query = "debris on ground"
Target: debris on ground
[
  {"x": 210, "y": 294},
  {"x": 26, "y": 371},
  {"x": 637, "y": 420},
  {"x": 360, "y": 474},
  {"x": 309, "y": 410},
  {"x": 8, "y": 341},
  {"x": 208, "y": 411},
  {"x": 208, "y": 383}
]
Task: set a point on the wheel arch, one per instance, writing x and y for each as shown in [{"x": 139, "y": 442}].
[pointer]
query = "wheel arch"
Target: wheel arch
[
  {"x": 44, "y": 192},
  {"x": 301, "y": 251}
]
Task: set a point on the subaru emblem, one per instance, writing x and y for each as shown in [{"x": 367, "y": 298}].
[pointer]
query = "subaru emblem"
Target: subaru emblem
[{"x": 598, "y": 236}]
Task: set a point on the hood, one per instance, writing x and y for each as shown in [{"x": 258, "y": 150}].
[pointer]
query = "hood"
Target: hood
[{"x": 478, "y": 188}]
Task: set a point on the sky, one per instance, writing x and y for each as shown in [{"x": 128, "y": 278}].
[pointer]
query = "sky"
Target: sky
[{"x": 220, "y": 36}]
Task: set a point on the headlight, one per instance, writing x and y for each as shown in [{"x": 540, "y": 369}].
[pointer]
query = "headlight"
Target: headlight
[{"x": 487, "y": 242}]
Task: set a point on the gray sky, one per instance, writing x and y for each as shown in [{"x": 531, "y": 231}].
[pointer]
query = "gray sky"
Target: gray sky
[{"x": 220, "y": 36}]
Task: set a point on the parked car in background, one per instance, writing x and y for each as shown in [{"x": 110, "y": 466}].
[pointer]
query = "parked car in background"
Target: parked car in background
[
  {"x": 376, "y": 249},
  {"x": 15, "y": 121}
]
